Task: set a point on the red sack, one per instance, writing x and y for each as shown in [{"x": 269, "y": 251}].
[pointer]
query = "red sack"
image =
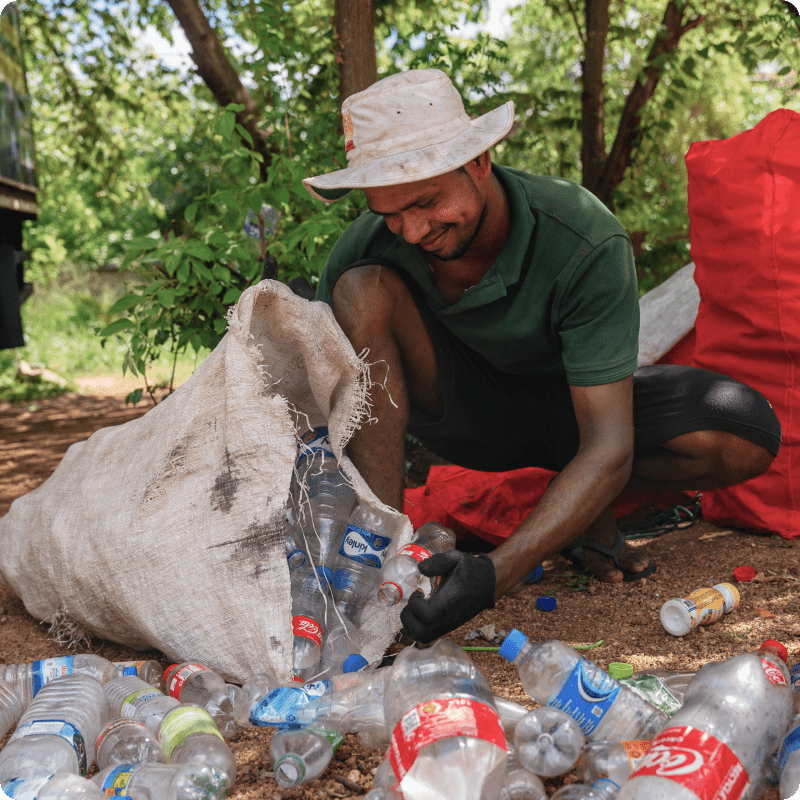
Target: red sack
[{"x": 744, "y": 212}]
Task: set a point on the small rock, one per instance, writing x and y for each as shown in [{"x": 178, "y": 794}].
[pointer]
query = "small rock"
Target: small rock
[{"x": 354, "y": 775}]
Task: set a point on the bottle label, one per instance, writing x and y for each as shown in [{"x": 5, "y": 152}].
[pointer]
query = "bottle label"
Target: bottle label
[
  {"x": 586, "y": 698},
  {"x": 183, "y": 722},
  {"x": 179, "y": 677},
  {"x": 653, "y": 690},
  {"x": 316, "y": 441},
  {"x": 55, "y": 727},
  {"x": 117, "y": 780},
  {"x": 280, "y": 707},
  {"x": 333, "y": 736},
  {"x": 42, "y": 672},
  {"x": 433, "y": 720},
  {"x": 773, "y": 672},
  {"x": 636, "y": 748},
  {"x": 795, "y": 674},
  {"x": 134, "y": 701},
  {"x": 25, "y": 788},
  {"x": 696, "y": 760},
  {"x": 364, "y": 547},
  {"x": 417, "y": 552},
  {"x": 308, "y": 629},
  {"x": 129, "y": 667},
  {"x": 704, "y": 606},
  {"x": 114, "y": 725},
  {"x": 791, "y": 744}
]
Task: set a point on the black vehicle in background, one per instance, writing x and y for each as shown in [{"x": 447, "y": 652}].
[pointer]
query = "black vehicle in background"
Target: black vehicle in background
[{"x": 17, "y": 180}]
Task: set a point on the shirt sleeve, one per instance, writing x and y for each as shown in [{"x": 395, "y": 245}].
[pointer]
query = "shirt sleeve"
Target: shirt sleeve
[{"x": 598, "y": 315}]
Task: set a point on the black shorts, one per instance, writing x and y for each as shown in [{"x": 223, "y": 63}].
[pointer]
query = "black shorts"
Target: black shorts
[{"x": 495, "y": 422}]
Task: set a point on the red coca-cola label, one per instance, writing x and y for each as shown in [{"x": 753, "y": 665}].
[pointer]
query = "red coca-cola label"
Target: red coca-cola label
[
  {"x": 696, "y": 760},
  {"x": 416, "y": 552},
  {"x": 178, "y": 678},
  {"x": 308, "y": 629},
  {"x": 773, "y": 672},
  {"x": 433, "y": 720}
]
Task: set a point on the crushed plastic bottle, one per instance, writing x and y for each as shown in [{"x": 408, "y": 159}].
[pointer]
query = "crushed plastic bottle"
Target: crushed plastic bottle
[
  {"x": 301, "y": 756},
  {"x": 519, "y": 783},
  {"x": 789, "y": 762},
  {"x": 29, "y": 679},
  {"x": 602, "y": 789},
  {"x": 400, "y": 574},
  {"x": 734, "y": 714},
  {"x": 64, "y": 786},
  {"x": 149, "y": 671},
  {"x": 613, "y": 760},
  {"x": 57, "y": 733},
  {"x": 133, "y": 698},
  {"x": 10, "y": 707},
  {"x": 553, "y": 674},
  {"x": 126, "y": 741},
  {"x": 446, "y": 739},
  {"x": 196, "y": 683},
  {"x": 194, "y": 781},
  {"x": 510, "y": 713},
  {"x": 547, "y": 742}
]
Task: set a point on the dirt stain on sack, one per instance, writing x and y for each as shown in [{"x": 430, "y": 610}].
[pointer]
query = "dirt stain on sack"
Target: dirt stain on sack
[
  {"x": 253, "y": 549},
  {"x": 226, "y": 484},
  {"x": 174, "y": 466}
]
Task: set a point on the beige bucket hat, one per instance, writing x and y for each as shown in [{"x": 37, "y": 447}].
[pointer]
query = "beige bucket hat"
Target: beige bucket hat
[{"x": 408, "y": 127}]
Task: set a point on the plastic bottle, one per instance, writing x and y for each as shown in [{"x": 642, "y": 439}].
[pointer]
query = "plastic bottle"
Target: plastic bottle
[
  {"x": 187, "y": 734},
  {"x": 519, "y": 783},
  {"x": 547, "y": 742},
  {"x": 295, "y": 555},
  {"x": 149, "y": 671},
  {"x": 342, "y": 640},
  {"x": 126, "y": 741},
  {"x": 662, "y": 688},
  {"x": 553, "y": 674},
  {"x": 308, "y": 614},
  {"x": 702, "y": 607},
  {"x": 734, "y": 715},
  {"x": 795, "y": 676},
  {"x": 133, "y": 698},
  {"x": 195, "y": 781},
  {"x": 197, "y": 684},
  {"x": 446, "y": 739},
  {"x": 253, "y": 691},
  {"x": 10, "y": 707},
  {"x": 57, "y": 733},
  {"x": 789, "y": 762},
  {"x": 613, "y": 760},
  {"x": 400, "y": 574},
  {"x": 28, "y": 679},
  {"x": 64, "y": 786},
  {"x": 301, "y": 756},
  {"x": 600, "y": 790},
  {"x": 360, "y": 560},
  {"x": 510, "y": 713}
]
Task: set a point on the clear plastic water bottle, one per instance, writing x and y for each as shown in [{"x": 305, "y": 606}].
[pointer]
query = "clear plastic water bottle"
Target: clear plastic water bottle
[
  {"x": 446, "y": 740},
  {"x": 301, "y": 756},
  {"x": 253, "y": 690},
  {"x": 613, "y": 760},
  {"x": 662, "y": 688},
  {"x": 547, "y": 742},
  {"x": 126, "y": 741},
  {"x": 342, "y": 640},
  {"x": 10, "y": 707},
  {"x": 57, "y": 733},
  {"x": 197, "y": 684},
  {"x": 400, "y": 574},
  {"x": 149, "y": 671},
  {"x": 510, "y": 713},
  {"x": 195, "y": 781},
  {"x": 188, "y": 735},
  {"x": 63, "y": 786},
  {"x": 133, "y": 698},
  {"x": 295, "y": 554},
  {"x": 519, "y": 783},
  {"x": 360, "y": 559},
  {"x": 28, "y": 679},
  {"x": 308, "y": 613},
  {"x": 734, "y": 714},
  {"x": 789, "y": 762},
  {"x": 553, "y": 674},
  {"x": 602, "y": 789}
]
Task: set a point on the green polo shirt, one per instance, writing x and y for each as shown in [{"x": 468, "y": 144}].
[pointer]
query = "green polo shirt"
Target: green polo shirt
[{"x": 561, "y": 298}]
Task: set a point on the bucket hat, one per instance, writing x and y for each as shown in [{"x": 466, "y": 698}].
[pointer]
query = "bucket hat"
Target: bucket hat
[{"x": 408, "y": 127}]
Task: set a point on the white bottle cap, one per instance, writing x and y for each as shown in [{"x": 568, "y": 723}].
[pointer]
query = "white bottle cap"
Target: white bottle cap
[
  {"x": 730, "y": 594},
  {"x": 675, "y": 617}
]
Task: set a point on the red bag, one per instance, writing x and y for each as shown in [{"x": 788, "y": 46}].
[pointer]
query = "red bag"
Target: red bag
[{"x": 744, "y": 211}]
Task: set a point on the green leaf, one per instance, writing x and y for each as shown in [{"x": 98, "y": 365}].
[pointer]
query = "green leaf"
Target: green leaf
[
  {"x": 785, "y": 71},
  {"x": 220, "y": 324},
  {"x": 135, "y": 396},
  {"x": 191, "y": 212},
  {"x": 183, "y": 271},
  {"x": 117, "y": 326},
  {"x": 231, "y": 296},
  {"x": 202, "y": 270},
  {"x": 235, "y": 107},
  {"x": 244, "y": 133},
  {"x": 196, "y": 342},
  {"x": 200, "y": 250},
  {"x": 125, "y": 302},
  {"x": 225, "y": 124},
  {"x": 166, "y": 297}
]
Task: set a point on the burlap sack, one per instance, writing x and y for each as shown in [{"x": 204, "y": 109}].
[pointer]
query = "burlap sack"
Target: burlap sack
[{"x": 168, "y": 531}]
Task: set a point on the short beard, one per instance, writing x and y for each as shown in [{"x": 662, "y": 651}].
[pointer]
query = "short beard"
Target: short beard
[{"x": 466, "y": 242}]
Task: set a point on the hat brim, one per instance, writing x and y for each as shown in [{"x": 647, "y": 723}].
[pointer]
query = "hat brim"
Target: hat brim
[{"x": 417, "y": 165}]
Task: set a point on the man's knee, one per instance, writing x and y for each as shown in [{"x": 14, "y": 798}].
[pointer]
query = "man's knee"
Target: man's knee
[{"x": 733, "y": 459}]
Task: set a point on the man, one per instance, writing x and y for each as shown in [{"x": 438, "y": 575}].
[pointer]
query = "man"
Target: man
[{"x": 504, "y": 307}]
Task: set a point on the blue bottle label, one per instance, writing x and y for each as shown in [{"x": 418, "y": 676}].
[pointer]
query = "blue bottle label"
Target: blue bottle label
[
  {"x": 586, "y": 698},
  {"x": 42, "y": 672},
  {"x": 364, "y": 547},
  {"x": 24, "y": 788},
  {"x": 313, "y": 442},
  {"x": 795, "y": 674},
  {"x": 790, "y": 745},
  {"x": 55, "y": 727},
  {"x": 130, "y": 670},
  {"x": 279, "y": 708}
]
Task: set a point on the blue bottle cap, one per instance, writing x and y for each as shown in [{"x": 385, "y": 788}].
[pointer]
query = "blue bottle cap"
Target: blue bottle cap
[
  {"x": 325, "y": 575},
  {"x": 354, "y": 663},
  {"x": 546, "y": 603},
  {"x": 534, "y": 575},
  {"x": 512, "y": 644}
]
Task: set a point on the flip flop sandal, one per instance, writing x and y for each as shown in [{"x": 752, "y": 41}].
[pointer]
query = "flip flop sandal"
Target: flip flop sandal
[{"x": 573, "y": 552}]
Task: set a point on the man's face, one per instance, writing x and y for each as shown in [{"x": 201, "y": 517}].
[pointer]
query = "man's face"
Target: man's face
[{"x": 443, "y": 215}]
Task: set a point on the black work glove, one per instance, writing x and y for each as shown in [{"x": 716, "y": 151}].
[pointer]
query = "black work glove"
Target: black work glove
[{"x": 467, "y": 588}]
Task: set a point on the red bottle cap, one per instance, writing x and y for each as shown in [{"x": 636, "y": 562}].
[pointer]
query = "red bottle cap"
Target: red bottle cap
[
  {"x": 168, "y": 674},
  {"x": 744, "y": 574},
  {"x": 774, "y": 646}
]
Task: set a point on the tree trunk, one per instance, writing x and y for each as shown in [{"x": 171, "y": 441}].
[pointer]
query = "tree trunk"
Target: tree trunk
[
  {"x": 593, "y": 146},
  {"x": 216, "y": 70},
  {"x": 354, "y": 28}
]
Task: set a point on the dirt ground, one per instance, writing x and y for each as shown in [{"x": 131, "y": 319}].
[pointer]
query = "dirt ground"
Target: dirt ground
[{"x": 34, "y": 437}]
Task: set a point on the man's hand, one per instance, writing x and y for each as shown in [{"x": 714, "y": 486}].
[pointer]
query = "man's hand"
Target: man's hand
[{"x": 467, "y": 588}]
